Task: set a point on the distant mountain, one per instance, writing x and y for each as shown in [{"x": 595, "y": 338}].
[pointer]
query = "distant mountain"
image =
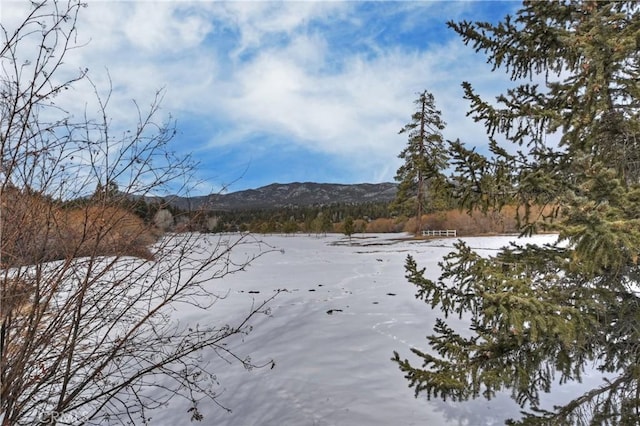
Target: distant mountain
[{"x": 290, "y": 194}]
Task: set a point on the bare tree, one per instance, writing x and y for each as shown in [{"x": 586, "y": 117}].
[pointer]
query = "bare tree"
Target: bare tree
[{"x": 88, "y": 290}]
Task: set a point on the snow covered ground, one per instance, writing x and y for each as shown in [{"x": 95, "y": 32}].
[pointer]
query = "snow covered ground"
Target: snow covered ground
[{"x": 332, "y": 334}]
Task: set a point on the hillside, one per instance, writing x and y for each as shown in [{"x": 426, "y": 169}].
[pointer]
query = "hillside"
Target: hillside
[{"x": 298, "y": 194}]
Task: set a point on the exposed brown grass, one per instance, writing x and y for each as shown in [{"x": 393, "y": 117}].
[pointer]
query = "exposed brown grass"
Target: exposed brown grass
[{"x": 474, "y": 223}]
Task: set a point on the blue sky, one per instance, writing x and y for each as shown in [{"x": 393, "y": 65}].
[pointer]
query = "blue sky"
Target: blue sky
[{"x": 267, "y": 92}]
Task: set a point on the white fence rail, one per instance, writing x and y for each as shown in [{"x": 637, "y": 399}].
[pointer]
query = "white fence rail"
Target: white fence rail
[{"x": 439, "y": 233}]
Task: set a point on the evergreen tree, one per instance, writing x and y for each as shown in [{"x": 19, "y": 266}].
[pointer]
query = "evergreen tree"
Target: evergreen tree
[
  {"x": 326, "y": 225},
  {"x": 425, "y": 157},
  {"x": 290, "y": 226},
  {"x": 106, "y": 193},
  {"x": 539, "y": 313},
  {"x": 349, "y": 227}
]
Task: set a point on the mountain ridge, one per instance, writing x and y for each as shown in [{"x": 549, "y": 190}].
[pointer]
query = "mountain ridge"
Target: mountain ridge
[{"x": 276, "y": 195}]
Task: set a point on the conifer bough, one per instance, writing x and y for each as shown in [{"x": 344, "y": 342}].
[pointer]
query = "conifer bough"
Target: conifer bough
[{"x": 540, "y": 315}]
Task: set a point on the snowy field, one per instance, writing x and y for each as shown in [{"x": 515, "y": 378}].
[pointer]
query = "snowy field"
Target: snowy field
[{"x": 332, "y": 334}]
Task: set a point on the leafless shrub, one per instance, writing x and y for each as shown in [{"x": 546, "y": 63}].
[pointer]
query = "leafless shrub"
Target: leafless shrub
[{"x": 88, "y": 292}]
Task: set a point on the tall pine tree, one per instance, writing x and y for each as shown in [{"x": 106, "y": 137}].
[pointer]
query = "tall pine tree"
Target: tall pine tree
[
  {"x": 425, "y": 157},
  {"x": 540, "y": 315}
]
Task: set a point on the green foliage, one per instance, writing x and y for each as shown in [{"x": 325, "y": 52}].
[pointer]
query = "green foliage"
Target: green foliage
[
  {"x": 420, "y": 180},
  {"x": 313, "y": 219},
  {"x": 105, "y": 193},
  {"x": 349, "y": 226},
  {"x": 539, "y": 314},
  {"x": 290, "y": 227}
]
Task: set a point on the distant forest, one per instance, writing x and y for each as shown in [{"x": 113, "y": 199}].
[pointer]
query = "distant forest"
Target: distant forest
[
  {"x": 370, "y": 217},
  {"x": 289, "y": 219}
]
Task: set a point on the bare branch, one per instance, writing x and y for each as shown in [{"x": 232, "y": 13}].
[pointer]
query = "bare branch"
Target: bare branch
[{"x": 89, "y": 291}]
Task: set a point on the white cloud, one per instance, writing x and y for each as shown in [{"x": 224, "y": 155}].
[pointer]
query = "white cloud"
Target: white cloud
[
  {"x": 308, "y": 74},
  {"x": 258, "y": 22},
  {"x": 169, "y": 28},
  {"x": 359, "y": 109}
]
